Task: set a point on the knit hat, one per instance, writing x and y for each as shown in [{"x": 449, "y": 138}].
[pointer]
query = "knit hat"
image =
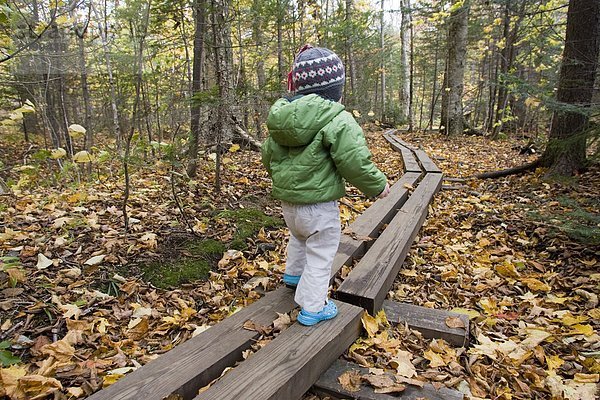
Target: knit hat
[{"x": 317, "y": 70}]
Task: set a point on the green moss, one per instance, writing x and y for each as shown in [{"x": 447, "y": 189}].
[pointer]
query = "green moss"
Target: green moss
[
  {"x": 200, "y": 256},
  {"x": 577, "y": 223},
  {"x": 248, "y": 221}
]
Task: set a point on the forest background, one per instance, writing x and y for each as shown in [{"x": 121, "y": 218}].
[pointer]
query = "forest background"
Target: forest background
[{"x": 129, "y": 132}]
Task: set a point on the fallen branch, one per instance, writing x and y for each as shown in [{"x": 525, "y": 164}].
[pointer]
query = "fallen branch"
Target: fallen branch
[{"x": 511, "y": 171}]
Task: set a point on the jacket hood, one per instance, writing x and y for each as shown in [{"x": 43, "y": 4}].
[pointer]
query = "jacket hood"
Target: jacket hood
[{"x": 295, "y": 122}]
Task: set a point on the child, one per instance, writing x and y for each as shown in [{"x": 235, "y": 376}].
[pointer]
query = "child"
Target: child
[{"x": 313, "y": 146}]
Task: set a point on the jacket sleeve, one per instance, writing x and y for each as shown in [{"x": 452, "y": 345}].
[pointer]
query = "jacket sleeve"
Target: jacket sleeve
[
  {"x": 349, "y": 151},
  {"x": 266, "y": 152}
]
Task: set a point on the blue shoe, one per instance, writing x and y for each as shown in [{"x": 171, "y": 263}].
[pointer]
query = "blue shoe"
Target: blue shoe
[
  {"x": 311, "y": 318},
  {"x": 291, "y": 280}
]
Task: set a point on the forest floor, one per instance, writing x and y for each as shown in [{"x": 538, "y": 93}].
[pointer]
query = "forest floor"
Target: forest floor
[{"x": 82, "y": 303}]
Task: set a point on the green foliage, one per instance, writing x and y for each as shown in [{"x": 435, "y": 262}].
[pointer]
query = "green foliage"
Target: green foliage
[
  {"x": 6, "y": 356},
  {"x": 579, "y": 219},
  {"x": 248, "y": 222}
]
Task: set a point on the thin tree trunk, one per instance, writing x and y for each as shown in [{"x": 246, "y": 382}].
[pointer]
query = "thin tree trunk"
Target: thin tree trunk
[
  {"x": 111, "y": 81},
  {"x": 382, "y": 78},
  {"x": 404, "y": 67},
  {"x": 434, "y": 89},
  {"x": 138, "y": 69},
  {"x": 200, "y": 9}
]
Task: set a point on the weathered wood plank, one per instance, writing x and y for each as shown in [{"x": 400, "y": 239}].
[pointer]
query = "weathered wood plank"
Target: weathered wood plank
[
  {"x": 383, "y": 210},
  {"x": 430, "y": 322},
  {"x": 354, "y": 242},
  {"x": 408, "y": 158},
  {"x": 195, "y": 363},
  {"x": 329, "y": 385},
  {"x": 288, "y": 366},
  {"x": 426, "y": 162},
  {"x": 368, "y": 282}
]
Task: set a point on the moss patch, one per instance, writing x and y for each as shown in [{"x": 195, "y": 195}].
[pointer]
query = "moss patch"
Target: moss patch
[
  {"x": 194, "y": 262},
  {"x": 575, "y": 220},
  {"x": 248, "y": 221}
]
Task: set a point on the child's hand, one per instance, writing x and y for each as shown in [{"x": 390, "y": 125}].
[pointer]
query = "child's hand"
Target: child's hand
[{"x": 385, "y": 191}]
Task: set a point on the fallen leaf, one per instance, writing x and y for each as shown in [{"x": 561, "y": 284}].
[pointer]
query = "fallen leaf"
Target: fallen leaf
[
  {"x": 370, "y": 324},
  {"x": 350, "y": 381},
  {"x": 95, "y": 260},
  {"x": 43, "y": 262},
  {"x": 455, "y": 322}
]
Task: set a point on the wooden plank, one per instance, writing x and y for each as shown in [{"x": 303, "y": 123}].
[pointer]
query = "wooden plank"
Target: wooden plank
[
  {"x": 329, "y": 385},
  {"x": 429, "y": 321},
  {"x": 367, "y": 225},
  {"x": 195, "y": 363},
  {"x": 368, "y": 282},
  {"x": 288, "y": 366},
  {"x": 426, "y": 162},
  {"x": 408, "y": 158},
  {"x": 383, "y": 210}
]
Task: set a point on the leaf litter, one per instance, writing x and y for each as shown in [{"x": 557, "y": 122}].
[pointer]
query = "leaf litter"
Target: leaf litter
[{"x": 500, "y": 251}]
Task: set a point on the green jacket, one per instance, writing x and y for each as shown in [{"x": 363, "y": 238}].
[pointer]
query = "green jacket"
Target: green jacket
[{"x": 313, "y": 145}]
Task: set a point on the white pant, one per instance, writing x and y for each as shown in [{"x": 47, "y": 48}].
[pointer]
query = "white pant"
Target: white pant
[{"x": 314, "y": 238}]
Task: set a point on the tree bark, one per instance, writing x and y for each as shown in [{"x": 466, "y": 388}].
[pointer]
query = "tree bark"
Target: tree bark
[
  {"x": 382, "y": 77},
  {"x": 565, "y": 153},
  {"x": 404, "y": 67},
  {"x": 200, "y": 9},
  {"x": 452, "y": 110}
]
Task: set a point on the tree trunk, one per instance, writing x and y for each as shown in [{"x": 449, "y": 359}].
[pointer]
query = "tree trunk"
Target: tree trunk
[
  {"x": 382, "y": 78},
  {"x": 221, "y": 33},
  {"x": 507, "y": 56},
  {"x": 452, "y": 111},
  {"x": 434, "y": 89},
  {"x": 565, "y": 152},
  {"x": 351, "y": 66},
  {"x": 200, "y": 9},
  {"x": 111, "y": 82},
  {"x": 404, "y": 67}
]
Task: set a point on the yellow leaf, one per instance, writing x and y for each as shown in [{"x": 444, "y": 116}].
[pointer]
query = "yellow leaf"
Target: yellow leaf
[
  {"x": 569, "y": 319},
  {"x": 76, "y": 131},
  {"x": 536, "y": 285},
  {"x": 234, "y": 148},
  {"x": 580, "y": 329},
  {"x": 370, "y": 324},
  {"x": 435, "y": 359},
  {"x": 586, "y": 378},
  {"x": 110, "y": 379},
  {"x": 489, "y": 305},
  {"x": 82, "y": 157},
  {"x": 39, "y": 386},
  {"x": 472, "y": 314},
  {"x": 507, "y": 270},
  {"x": 401, "y": 362},
  {"x": 9, "y": 381},
  {"x": 58, "y": 153},
  {"x": 554, "y": 362},
  {"x": 381, "y": 319}
]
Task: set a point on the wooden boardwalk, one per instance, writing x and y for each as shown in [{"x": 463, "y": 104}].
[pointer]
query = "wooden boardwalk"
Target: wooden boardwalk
[{"x": 299, "y": 356}]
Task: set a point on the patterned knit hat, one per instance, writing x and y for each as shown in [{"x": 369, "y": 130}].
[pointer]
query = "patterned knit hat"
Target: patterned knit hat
[{"x": 317, "y": 70}]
